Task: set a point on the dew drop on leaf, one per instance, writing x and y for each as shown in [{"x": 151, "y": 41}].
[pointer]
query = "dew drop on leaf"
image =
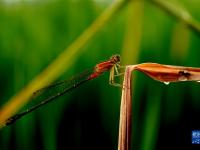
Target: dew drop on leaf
[{"x": 166, "y": 83}]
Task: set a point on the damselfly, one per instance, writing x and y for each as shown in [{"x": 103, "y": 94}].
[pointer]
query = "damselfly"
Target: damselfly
[{"x": 65, "y": 86}]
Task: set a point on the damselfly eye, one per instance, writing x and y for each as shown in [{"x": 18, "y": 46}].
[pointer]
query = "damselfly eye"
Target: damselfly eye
[{"x": 115, "y": 58}]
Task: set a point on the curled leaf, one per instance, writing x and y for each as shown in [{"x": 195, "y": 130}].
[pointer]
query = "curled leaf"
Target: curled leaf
[
  {"x": 159, "y": 72},
  {"x": 169, "y": 73}
]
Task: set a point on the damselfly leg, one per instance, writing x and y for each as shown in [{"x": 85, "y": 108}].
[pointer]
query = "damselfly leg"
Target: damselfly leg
[{"x": 114, "y": 72}]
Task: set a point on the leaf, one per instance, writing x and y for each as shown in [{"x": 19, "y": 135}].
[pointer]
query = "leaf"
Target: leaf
[{"x": 169, "y": 73}]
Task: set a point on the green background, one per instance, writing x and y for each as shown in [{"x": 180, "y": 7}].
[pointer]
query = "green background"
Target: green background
[{"x": 33, "y": 34}]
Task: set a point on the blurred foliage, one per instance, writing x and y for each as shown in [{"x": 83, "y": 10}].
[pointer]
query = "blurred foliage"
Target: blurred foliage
[{"x": 34, "y": 33}]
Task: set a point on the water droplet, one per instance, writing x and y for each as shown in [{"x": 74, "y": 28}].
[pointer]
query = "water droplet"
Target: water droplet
[
  {"x": 182, "y": 78},
  {"x": 166, "y": 83}
]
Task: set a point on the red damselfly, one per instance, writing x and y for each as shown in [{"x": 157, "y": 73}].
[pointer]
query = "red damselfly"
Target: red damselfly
[{"x": 63, "y": 87}]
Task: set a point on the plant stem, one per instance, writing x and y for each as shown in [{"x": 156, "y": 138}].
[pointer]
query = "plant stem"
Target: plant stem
[
  {"x": 125, "y": 123},
  {"x": 178, "y": 12},
  {"x": 133, "y": 32}
]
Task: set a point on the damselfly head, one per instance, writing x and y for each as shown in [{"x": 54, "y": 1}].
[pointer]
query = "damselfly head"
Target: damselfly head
[{"x": 115, "y": 58}]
